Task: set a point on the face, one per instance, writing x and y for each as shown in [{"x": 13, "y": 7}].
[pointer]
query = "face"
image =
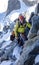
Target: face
[{"x": 21, "y": 20}]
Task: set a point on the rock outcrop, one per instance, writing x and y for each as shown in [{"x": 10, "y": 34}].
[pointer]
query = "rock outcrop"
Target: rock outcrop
[
  {"x": 13, "y": 5},
  {"x": 30, "y": 3},
  {"x": 27, "y": 56},
  {"x": 28, "y": 47}
]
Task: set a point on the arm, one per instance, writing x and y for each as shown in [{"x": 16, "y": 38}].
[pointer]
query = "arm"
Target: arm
[
  {"x": 28, "y": 25},
  {"x": 16, "y": 29}
]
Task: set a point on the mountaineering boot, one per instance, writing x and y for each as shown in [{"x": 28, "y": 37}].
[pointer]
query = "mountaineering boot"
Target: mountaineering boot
[{"x": 20, "y": 42}]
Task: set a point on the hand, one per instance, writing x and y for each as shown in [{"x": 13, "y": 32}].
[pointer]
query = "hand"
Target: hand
[{"x": 12, "y": 37}]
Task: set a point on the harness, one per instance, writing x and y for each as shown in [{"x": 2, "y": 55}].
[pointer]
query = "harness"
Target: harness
[{"x": 20, "y": 24}]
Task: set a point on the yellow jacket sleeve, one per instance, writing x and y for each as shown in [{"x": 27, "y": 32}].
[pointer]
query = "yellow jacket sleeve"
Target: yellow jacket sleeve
[
  {"x": 16, "y": 29},
  {"x": 28, "y": 25}
]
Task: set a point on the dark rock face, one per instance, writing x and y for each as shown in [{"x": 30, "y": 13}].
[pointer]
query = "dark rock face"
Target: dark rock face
[
  {"x": 31, "y": 56},
  {"x": 30, "y": 60},
  {"x": 13, "y": 5}
]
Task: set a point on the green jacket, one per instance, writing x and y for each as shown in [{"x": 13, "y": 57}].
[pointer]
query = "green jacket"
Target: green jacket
[{"x": 21, "y": 28}]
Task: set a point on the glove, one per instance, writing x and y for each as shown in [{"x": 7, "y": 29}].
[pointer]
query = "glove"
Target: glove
[{"x": 12, "y": 37}]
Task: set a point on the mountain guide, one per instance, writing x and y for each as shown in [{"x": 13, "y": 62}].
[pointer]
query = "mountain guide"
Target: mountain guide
[{"x": 21, "y": 30}]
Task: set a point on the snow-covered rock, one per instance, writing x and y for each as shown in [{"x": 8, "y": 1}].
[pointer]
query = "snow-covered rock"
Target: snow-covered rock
[
  {"x": 28, "y": 47},
  {"x": 6, "y": 63}
]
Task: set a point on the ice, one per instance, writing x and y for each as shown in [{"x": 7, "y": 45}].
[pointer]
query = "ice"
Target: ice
[
  {"x": 6, "y": 63},
  {"x": 6, "y": 44},
  {"x": 17, "y": 51},
  {"x": 5, "y": 37},
  {"x": 37, "y": 59}
]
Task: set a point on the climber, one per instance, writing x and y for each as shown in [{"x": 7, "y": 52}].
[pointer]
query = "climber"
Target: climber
[
  {"x": 35, "y": 25},
  {"x": 20, "y": 29}
]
